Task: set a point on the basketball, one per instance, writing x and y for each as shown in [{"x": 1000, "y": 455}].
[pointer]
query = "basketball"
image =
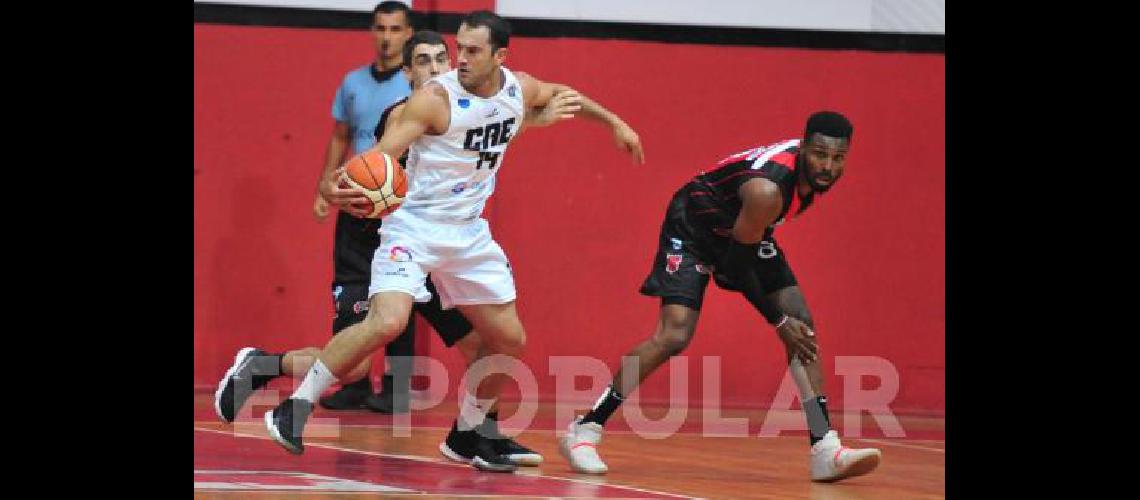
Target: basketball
[{"x": 381, "y": 179}]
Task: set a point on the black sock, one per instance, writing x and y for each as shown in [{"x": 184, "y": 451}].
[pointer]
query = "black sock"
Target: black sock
[
  {"x": 818, "y": 422},
  {"x": 605, "y": 406}
]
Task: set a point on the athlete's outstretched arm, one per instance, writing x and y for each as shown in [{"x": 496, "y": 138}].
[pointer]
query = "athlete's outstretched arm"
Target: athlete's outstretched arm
[
  {"x": 761, "y": 204},
  {"x": 537, "y": 94},
  {"x": 562, "y": 106}
]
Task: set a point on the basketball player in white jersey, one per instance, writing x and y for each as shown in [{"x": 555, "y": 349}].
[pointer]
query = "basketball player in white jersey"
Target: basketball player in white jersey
[
  {"x": 425, "y": 56},
  {"x": 456, "y": 130}
]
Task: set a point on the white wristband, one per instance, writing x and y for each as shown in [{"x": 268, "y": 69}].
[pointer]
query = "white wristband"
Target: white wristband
[{"x": 782, "y": 321}]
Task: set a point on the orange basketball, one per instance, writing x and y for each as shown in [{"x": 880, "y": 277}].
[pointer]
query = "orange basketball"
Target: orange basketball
[{"x": 381, "y": 179}]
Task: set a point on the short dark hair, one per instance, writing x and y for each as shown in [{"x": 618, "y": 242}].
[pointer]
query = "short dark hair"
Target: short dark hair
[
  {"x": 426, "y": 36},
  {"x": 828, "y": 123},
  {"x": 500, "y": 29},
  {"x": 390, "y": 6}
]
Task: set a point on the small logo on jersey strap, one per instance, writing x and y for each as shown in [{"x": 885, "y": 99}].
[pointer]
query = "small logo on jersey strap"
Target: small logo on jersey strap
[
  {"x": 399, "y": 254},
  {"x": 360, "y": 307},
  {"x": 676, "y": 243},
  {"x": 337, "y": 291},
  {"x": 511, "y": 90},
  {"x": 465, "y": 103},
  {"x": 672, "y": 262}
]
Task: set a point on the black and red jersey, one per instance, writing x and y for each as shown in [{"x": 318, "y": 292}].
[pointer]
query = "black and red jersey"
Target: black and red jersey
[
  {"x": 714, "y": 199},
  {"x": 380, "y": 125}
]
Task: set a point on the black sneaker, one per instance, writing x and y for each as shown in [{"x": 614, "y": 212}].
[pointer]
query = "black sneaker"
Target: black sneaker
[
  {"x": 507, "y": 447},
  {"x": 470, "y": 448},
  {"x": 287, "y": 422},
  {"x": 386, "y": 401},
  {"x": 349, "y": 396},
  {"x": 252, "y": 369}
]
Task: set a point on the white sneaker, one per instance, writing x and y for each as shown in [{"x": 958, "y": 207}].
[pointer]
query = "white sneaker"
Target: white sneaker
[
  {"x": 831, "y": 461},
  {"x": 579, "y": 446}
]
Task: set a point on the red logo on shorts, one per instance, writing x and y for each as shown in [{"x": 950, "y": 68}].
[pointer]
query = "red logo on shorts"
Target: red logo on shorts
[
  {"x": 400, "y": 254},
  {"x": 673, "y": 262}
]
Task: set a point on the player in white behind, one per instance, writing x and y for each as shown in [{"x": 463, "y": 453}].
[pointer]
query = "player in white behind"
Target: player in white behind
[
  {"x": 425, "y": 56},
  {"x": 456, "y": 130}
]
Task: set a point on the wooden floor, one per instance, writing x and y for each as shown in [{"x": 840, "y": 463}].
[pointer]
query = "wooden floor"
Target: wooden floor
[{"x": 357, "y": 456}]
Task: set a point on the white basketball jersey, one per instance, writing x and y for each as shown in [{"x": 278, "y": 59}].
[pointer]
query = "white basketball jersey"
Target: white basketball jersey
[{"x": 453, "y": 174}]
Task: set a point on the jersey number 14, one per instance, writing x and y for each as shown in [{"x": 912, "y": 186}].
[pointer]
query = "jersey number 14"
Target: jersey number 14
[
  {"x": 488, "y": 158},
  {"x": 486, "y": 137}
]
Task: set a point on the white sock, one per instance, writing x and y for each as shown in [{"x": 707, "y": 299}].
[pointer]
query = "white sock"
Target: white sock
[
  {"x": 316, "y": 381},
  {"x": 473, "y": 411}
]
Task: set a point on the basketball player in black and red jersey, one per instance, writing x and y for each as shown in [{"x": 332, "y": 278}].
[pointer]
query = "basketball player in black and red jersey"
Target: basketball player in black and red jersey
[{"x": 720, "y": 225}]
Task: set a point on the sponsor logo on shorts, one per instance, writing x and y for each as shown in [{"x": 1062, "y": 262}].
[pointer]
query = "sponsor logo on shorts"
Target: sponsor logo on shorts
[
  {"x": 676, "y": 243},
  {"x": 400, "y": 254},
  {"x": 360, "y": 307},
  {"x": 401, "y": 272},
  {"x": 672, "y": 262}
]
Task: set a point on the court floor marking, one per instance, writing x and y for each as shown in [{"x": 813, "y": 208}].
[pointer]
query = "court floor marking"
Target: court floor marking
[
  {"x": 444, "y": 462},
  {"x": 417, "y": 495},
  {"x": 901, "y": 445}
]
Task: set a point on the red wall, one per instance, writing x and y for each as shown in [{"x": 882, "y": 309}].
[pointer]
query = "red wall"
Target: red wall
[{"x": 579, "y": 220}]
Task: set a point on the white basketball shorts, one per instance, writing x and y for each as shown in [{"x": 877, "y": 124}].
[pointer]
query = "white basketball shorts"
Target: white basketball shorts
[{"x": 466, "y": 264}]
